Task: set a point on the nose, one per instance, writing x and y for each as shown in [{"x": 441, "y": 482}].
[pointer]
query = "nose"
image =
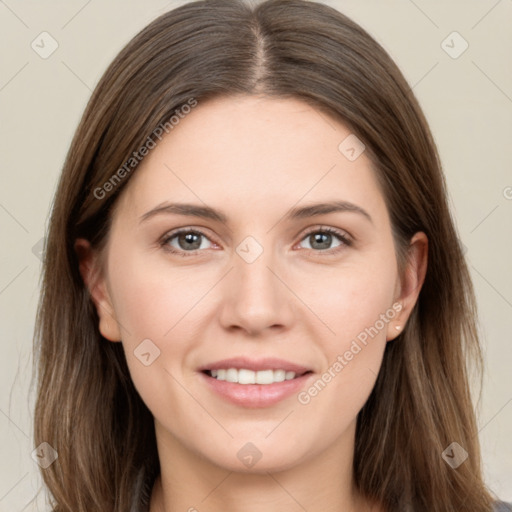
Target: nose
[{"x": 256, "y": 298}]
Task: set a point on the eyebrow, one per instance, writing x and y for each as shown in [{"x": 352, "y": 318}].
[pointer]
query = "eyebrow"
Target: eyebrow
[{"x": 207, "y": 212}]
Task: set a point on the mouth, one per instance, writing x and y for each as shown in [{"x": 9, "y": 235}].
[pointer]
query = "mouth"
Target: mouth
[
  {"x": 245, "y": 376},
  {"x": 255, "y": 384}
]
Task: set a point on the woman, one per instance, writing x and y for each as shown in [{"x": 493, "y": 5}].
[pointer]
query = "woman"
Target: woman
[{"x": 254, "y": 296}]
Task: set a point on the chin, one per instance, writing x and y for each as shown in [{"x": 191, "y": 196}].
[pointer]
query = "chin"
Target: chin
[{"x": 249, "y": 457}]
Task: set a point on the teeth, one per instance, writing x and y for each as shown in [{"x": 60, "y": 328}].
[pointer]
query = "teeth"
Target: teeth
[{"x": 244, "y": 376}]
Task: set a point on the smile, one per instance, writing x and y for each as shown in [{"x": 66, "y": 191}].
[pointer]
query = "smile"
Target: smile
[
  {"x": 272, "y": 390},
  {"x": 245, "y": 376}
]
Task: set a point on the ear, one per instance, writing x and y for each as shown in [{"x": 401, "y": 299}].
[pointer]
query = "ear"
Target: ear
[
  {"x": 95, "y": 282},
  {"x": 410, "y": 283}
]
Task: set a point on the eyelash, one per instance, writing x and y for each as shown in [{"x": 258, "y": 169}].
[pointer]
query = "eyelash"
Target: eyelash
[{"x": 345, "y": 241}]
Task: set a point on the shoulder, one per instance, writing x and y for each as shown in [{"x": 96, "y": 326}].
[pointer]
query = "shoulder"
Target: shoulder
[{"x": 501, "y": 506}]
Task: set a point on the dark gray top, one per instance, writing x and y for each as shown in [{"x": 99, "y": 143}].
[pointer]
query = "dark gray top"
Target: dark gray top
[
  {"x": 501, "y": 506},
  {"x": 142, "y": 495}
]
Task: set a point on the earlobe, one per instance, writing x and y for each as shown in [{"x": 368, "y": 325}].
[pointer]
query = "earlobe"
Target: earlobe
[
  {"x": 95, "y": 283},
  {"x": 411, "y": 282}
]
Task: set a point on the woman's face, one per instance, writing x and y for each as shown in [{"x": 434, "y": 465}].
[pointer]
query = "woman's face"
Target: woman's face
[{"x": 259, "y": 273}]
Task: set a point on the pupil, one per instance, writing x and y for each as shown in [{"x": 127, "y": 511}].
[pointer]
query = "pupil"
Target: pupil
[
  {"x": 190, "y": 241},
  {"x": 323, "y": 239}
]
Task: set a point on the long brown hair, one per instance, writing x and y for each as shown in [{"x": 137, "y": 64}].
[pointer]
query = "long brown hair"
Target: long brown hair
[{"x": 87, "y": 407}]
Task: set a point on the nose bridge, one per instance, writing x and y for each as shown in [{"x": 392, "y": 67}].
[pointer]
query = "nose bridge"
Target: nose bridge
[{"x": 255, "y": 299}]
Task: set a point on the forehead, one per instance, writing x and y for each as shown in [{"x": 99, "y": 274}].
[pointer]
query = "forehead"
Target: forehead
[{"x": 249, "y": 151}]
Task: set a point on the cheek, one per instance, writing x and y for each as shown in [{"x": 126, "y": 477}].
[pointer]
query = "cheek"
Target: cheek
[
  {"x": 158, "y": 308},
  {"x": 152, "y": 299},
  {"x": 357, "y": 306},
  {"x": 350, "y": 299}
]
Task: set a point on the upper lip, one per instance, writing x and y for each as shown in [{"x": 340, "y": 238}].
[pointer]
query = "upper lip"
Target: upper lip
[{"x": 268, "y": 363}]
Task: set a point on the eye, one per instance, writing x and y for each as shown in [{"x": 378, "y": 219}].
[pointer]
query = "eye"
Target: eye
[
  {"x": 185, "y": 241},
  {"x": 321, "y": 239}
]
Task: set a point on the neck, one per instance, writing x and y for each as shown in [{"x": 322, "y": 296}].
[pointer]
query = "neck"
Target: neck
[{"x": 191, "y": 483}]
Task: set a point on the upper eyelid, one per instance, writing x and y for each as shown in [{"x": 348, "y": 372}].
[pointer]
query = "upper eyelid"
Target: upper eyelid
[
  {"x": 332, "y": 230},
  {"x": 174, "y": 232}
]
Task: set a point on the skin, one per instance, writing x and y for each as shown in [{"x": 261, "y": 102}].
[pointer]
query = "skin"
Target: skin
[{"x": 253, "y": 158}]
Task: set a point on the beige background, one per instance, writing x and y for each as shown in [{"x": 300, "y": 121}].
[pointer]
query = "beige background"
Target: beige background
[{"x": 467, "y": 100}]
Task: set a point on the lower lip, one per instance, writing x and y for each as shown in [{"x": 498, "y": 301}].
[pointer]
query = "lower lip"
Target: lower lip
[{"x": 256, "y": 395}]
